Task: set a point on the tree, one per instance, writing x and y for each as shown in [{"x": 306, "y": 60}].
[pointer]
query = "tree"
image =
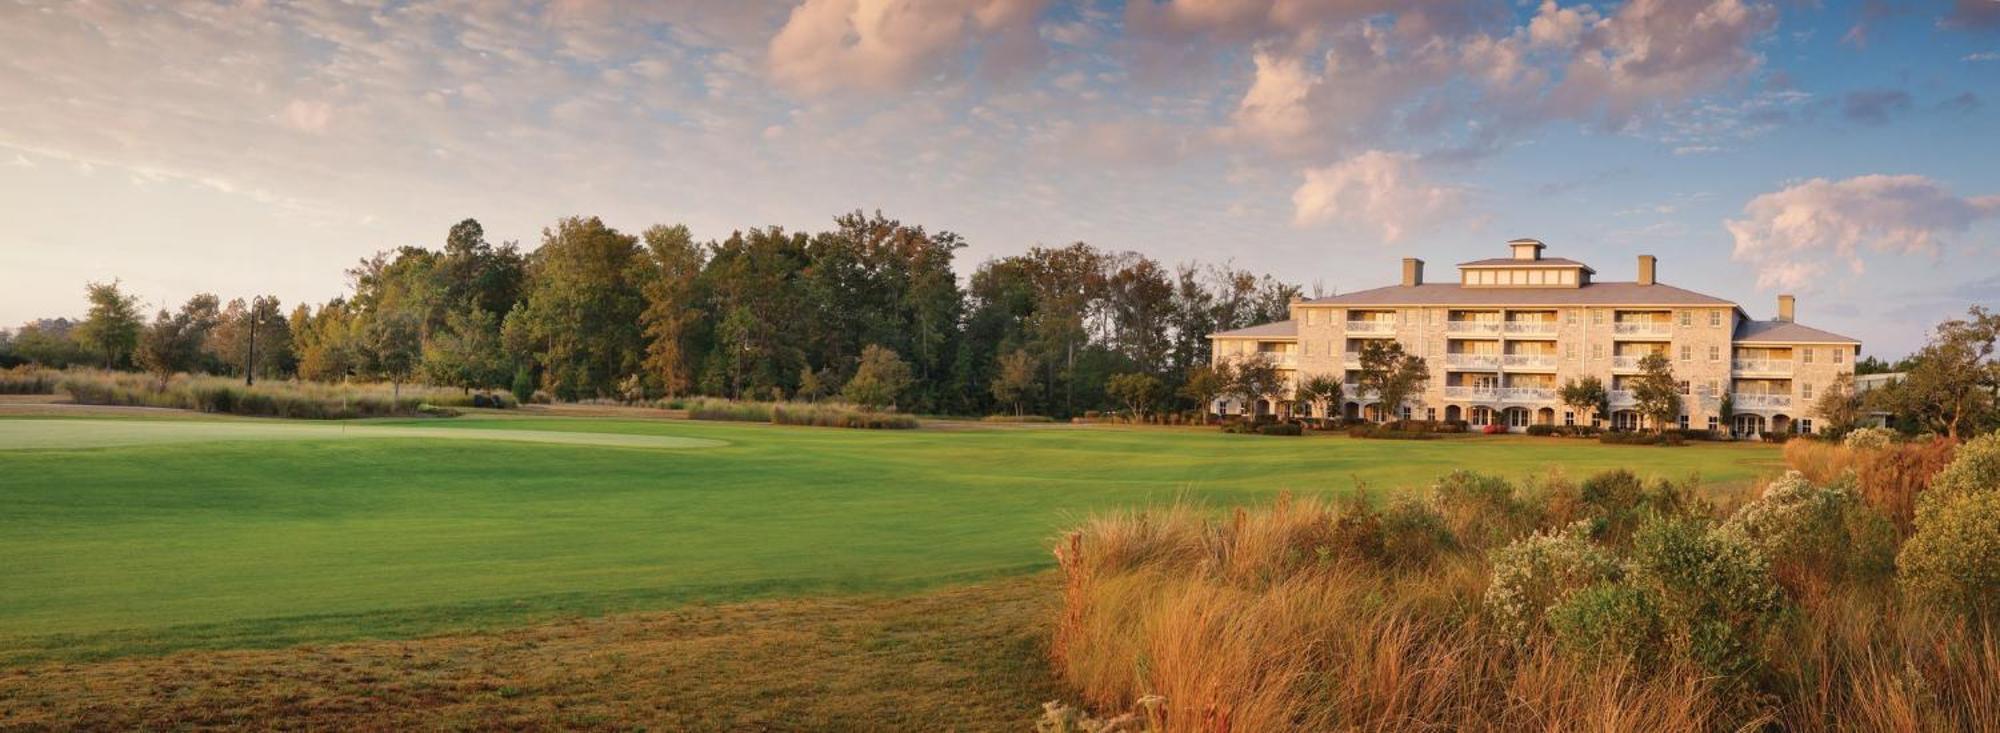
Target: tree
[
  {"x": 389, "y": 346},
  {"x": 582, "y": 309},
  {"x": 1949, "y": 385},
  {"x": 1390, "y": 374},
  {"x": 880, "y": 380},
  {"x": 811, "y": 386},
  {"x": 466, "y": 352},
  {"x": 1205, "y": 383},
  {"x": 1015, "y": 379},
  {"x": 1321, "y": 389},
  {"x": 1655, "y": 393},
  {"x": 167, "y": 346},
  {"x": 1839, "y": 407},
  {"x": 1137, "y": 390},
  {"x": 1586, "y": 396},
  {"x": 672, "y": 288},
  {"x": 112, "y": 328},
  {"x": 1256, "y": 377}
]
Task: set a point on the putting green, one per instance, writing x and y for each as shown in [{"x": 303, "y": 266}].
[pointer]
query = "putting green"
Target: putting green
[{"x": 69, "y": 434}]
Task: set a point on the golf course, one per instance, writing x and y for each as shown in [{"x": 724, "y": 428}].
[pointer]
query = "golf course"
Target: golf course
[{"x": 159, "y": 532}]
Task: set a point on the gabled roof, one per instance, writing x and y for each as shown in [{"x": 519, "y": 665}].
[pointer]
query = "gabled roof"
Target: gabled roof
[
  {"x": 1511, "y": 262},
  {"x": 1787, "y": 332},
  {"x": 1596, "y": 293},
  {"x": 1278, "y": 329}
]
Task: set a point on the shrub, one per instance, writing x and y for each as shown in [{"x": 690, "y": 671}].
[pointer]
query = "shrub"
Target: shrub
[
  {"x": 1814, "y": 535},
  {"x": 1716, "y": 596},
  {"x": 1453, "y": 426},
  {"x": 1611, "y": 621},
  {"x": 1953, "y": 558},
  {"x": 1638, "y": 438},
  {"x": 1383, "y": 432},
  {"x": 1493, "y": 429},
  {"x": 820, "y": 414},
  {"x": 29, "y": 380},
  {"x": 729, "y": 410},
  {"x": 1017, "y": 418},
  {"x": 1543, "y": 430},
  {"x": 1974, "y": 470},
  {"x": 1777, "y": 437},
  {"x": 1535, "y": 573},
  {"x": 1480, "y": 510},
  {"x": 1414, "y": 534},
  {"x": 1282, "y": 428},
  {"x": 1869, "y": 438},
  {"x": 301, "y": 400}
]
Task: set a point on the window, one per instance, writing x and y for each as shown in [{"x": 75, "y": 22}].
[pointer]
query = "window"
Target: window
[
  {"x": 1713, "y": 422},
  {"x": 1569, "y": 351},
  {"x": 1687, "y": 319},
  {"x": 1714, "y": 352},
  {"x": 1715, "y": 319},
  {"x": 1597, "y": 317},
  {"x": 1569, "y": 418},
  {"x": 1684, "y": 422},
  {"x": 1838, "y": 354},
  {"x": 1406, "y": 412},
  {"x": 1806, "y": 355},
  {"x": 1805, "y": 425},
  {"x": 1597, "y": 351},
  {"x": 1683, "y": 385},
  {"x": 1687, "y": 352},
  {"x": 1805, "y": 390},
  {"x": 1430, "y": 414}
]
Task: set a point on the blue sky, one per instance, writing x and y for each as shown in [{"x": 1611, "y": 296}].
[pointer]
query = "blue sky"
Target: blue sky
[{"x": 1843, "y": 151}]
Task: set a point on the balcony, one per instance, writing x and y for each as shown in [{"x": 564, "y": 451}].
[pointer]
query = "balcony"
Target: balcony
[
  {"x": 1626, "y": 362},
  {"x": 1492, "y": 327},
  {"x": 1516, "y": 395},
  {"x": 1529, "y": 361},
  {"x": 1642, "y": 328},
  {"x": 1472, "y": 361},
  {"x": 1621, "y": 398},
  {"x": 1371, "y": 326},
  {"x": 1351, "y": 359},
  {"x": 1761, "y": 366},
  {"x": 1531, "y": 328},
  {"x": 1757, "y": 401}
]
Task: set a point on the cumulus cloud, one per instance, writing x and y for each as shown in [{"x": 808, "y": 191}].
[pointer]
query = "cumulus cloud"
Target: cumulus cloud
[
  {"x": 1791, "y": 235},
  {"x": 885, "y": 45},
  {"x": 1650, "y": 53},
  {"x": 1379, "y": 191}
]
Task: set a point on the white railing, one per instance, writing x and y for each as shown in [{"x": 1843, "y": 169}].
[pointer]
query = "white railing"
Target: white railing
[
  {"x": 1352, "y": 359},
  {"x": 1530, "y": 361},
  {"x": 1472, "y": 326},
  {"x": 1762, "y": 366},
  {"x": 1371, "y": 326},
  {"x": 1626, "y": 363},
  {"x": 1283, "y": 360},
  {"x": 1486, "y": 361},
  {"x": 1621, "y": 398},
  {"x": 1502, "y": 394},
  {"x": 1642, "y": 328},
  {"x": 1531, "y": 326},
  {"x": 1752, "y": 401}
]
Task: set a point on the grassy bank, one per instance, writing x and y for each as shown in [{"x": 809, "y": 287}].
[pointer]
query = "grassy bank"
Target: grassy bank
[
  {"x": 298, "y": 400},
  {"x": 811, "y": 414},
  {"x": 1602, "y": 604}
]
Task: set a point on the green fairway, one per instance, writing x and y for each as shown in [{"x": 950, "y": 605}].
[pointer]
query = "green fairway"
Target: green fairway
[{"x": 122, "y": 536}]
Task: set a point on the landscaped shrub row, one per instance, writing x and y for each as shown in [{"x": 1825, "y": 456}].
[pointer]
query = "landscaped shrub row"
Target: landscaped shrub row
[
  {"x": 823, "y": 414},
  {"x": 1387, "y": 432},
  {"x": 1017, "y": 418},
  {"x": 1551, "y": 606},
  {"x": 1620, "y": 437},
  {"x": 267, "y": 399},
  {"x": 29, "y": 380}
]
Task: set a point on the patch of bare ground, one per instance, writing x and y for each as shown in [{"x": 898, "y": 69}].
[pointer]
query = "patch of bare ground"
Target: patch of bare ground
[{"x": 967, "y": 659}]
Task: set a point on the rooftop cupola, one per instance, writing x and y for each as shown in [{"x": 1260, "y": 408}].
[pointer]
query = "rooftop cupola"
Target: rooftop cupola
[{"x": 1526, "y": 249}]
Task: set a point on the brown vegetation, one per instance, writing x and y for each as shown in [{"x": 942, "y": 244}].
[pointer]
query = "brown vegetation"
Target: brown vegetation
[
  {"x": 1609, "y": 605},
  {"x": 1888, "y": 477}
]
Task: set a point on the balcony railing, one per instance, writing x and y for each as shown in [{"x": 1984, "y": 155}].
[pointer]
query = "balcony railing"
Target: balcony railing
[
  {"x": 1531, "y": 327},
  {"x": 1762, "y": 366},
  {"x": 1371, "y": 326},
  {"x": 1756, "y": 401},
  {"x": 1351, "y": 359},
  {"x": 1477, "y": 361},
  {"x": 1621, "y": 398},
  {"x": 1642, "y": 328},
  {"x": 1529, "y": 361},
  {"x": 1472, "y": 326},
  {"x": 1524, "y": 395},
  {"x": 1626, "y": 362}
]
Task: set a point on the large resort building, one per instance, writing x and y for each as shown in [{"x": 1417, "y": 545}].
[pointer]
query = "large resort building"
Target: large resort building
[{"x": 1504, "y": 336}]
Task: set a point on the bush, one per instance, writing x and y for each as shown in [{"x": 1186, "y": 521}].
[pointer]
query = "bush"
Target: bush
[
  {"x": 728, "y": 410},
  {"x": 1384, "y": 432},
  {"x": 1609, "y": 621},
  {"x": 1638, "y": 438},
  {"x": 1414, "y": 534},
  {"x": 1283, "y": 428},
  {"x": 1814, "y": 535},
  {"x": 1716, "y": 596},
  {"x": 1493, "y": 429},
  {"x": 1869, "y": 438},
  {"x": 1481, "y": 510},
  {"x": 29, "y": 380},
  {"x": 1953, "y": 558},
  {"x": 1453, "y": 426},
  {"x": 301, "y": 400},
  {"x": 1017, "y": 418},
  {"x": 1542, "y": 430},
  {"x": 821, "y": 414},
  {"x": 1536, "y": 573},
  {"x": 1776, "y": 437}
]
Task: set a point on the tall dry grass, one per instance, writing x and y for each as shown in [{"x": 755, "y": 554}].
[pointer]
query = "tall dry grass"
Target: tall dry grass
[
  {"x": 303, "y": 400},
  {"x": 1889, "y": 478},
  {"x": 29, "y": 380},
  {"x": 1293, "y": 616},
  {"x": 820, "y": 414}
]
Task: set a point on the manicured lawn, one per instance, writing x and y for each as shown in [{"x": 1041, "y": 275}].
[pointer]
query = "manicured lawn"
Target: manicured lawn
[{"x": 263, "y": 533}]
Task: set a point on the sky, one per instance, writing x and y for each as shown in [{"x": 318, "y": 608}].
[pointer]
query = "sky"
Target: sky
[{"x": 1847, "y": 152}]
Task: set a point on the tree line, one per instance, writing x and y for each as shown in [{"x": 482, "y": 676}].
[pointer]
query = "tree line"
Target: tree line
[{"x": 595, "y": 312}]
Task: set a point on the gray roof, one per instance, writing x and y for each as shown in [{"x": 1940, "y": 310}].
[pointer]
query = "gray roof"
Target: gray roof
[
  {"x": 1511, "y": 262},
  {"x": 1285, "y": 329},
  {"x": 1787, "y": 332},
  {"x": 1596, "y": 293}
]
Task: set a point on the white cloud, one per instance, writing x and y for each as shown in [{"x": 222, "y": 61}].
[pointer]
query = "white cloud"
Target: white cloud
[
  {"x": 1274, "y": 109},
  {"x": 1983, "y": 56},
  {"x": 1792, "y": 235},
  {"x": 1375, "y": 190},
  {"x": 885, "y": 45}
]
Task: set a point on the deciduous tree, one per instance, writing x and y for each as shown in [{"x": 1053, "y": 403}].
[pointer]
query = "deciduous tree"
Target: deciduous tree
[
  {"x": 111, "y": 331},
  {"x": 1391, "y": 375}
]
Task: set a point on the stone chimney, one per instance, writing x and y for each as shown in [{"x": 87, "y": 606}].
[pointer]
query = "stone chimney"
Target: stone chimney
[
  {"x": 1648, "y": 268},
  {"x": 1413, "y": 272},
  {"x": 1787, "y": 306}
]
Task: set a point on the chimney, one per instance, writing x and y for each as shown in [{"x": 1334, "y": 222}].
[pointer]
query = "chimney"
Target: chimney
[
  {"x": 1787, "y": 305},
  {"x": 1413, "y": 272},
  {"x": 1647, "y": 266}
]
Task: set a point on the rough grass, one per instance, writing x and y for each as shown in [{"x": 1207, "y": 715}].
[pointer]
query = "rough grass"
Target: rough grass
[
  {"x": 1293, "y": 615},
  {"x": 29, "y": 380},
  {"x": 821, "y": 414},
  {"x": 298, "y": 400},
  {"x": 1889, "y": 477},
  {"x": 966, "y": 659},
  {"x": 227, "y": 543}
]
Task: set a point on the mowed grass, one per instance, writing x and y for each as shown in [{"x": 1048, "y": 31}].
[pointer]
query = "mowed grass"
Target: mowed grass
[{"x": 230, "y": 541}]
